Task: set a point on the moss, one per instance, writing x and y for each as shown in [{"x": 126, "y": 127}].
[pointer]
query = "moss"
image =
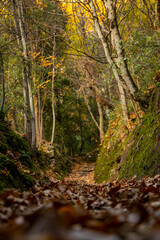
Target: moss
[
  {"x": 3, "y": 126},
  {"x": 9, "y": 140},
  {"x": 10, "y": 176},
  {"x": 62, "y": 167},
  {"x": 27, "y": 161},
  {"x": 144, "y": 153},
  {"x": 3, "y": 147},
  {"x": 109, "y": 159},
  {"x": 15, "y": 155},
  {"x": 43, "y": 159},
  {"x": 139, "y": 154},
  {"x": 16, "y": 142},
  {"x": 14, "y": 149},
  {"x": 2, "y": 115}
]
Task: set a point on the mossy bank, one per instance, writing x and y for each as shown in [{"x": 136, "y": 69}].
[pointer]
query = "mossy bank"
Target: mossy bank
[
  {"x": 139, "y": 153},
  {"x": 18, "y": 167}
]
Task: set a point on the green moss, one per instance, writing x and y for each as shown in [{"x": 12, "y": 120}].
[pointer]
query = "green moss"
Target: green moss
[
  {"x": 10, "y": 176},
  {"x": 16, "y": 154},
  {"x": 145, "y": 152},
  {"x": 62, "y": 167},
  {"x": 3, "y": 126},
  {"x": 3, "y": 147},
  {"x": 14, "y": 148},
  {"x": 27, "y": 161},
  {"x": 43, "y": 159},
  {"x": 139, "y": 154},
  {"x": 16, "y": 142},
  {"x": 9, "y": 140},
  {"x": 2, "y": 115}
]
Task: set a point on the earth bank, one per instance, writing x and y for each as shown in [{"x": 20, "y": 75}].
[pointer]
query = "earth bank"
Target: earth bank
[{"x": 138, "y": 153}]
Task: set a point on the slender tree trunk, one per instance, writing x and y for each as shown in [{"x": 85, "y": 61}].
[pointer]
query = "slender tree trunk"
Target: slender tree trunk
[
  {"x": 100, "y": 111},
  {"x": 27, "y": 119},
  {"x": 24, "y": 42},
  {"x": 89, "y": 109},
  {"x": 40, "y": 116},
  {"x": 81, "y": 126},
  {"x": 157, "y": 14},
  {"x": 3, "y": 81},
  {"x": 31, "y": 100},
  {"x": 53, "y": 94},
  {"x": 37, "y": 118},
  {"x": 42, "y": 134},
  {"x": 13, "y": 119},
  {"x": 123, "y": 103}
]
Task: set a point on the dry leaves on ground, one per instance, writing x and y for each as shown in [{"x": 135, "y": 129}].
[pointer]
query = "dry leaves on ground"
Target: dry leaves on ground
[{"x": 126, "y": 209}]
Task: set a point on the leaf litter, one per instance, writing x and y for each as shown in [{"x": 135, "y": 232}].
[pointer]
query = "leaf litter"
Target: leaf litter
[{"x": 69, "y": 210}]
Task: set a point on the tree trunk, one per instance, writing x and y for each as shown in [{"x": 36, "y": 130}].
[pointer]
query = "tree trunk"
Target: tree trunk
[
  {"x": 42, "y": 104},
  {"x": 24, "y": 42},
  {"x": 3, "y": 81},
  {"x": 27, "y": 118},
  {"x": 53, "y": 94},
  {"x": 123, "y": 103},
  {"x": 105, "y": 46},
  {"x": 37, "y": 118},
  {"x": 119, "y": 67},
  {"x": 116, "y": 39},
  {"x": 100, "y": 111},
  {"x": 89, "y": 109},
  {"x": 157, "y": 14},
  {"x": 13, "y": 119}
]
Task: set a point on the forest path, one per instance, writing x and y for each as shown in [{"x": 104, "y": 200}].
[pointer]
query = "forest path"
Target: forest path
[
  {"x": 82, "y": 172},
  {"x": 68, "y": 210}
]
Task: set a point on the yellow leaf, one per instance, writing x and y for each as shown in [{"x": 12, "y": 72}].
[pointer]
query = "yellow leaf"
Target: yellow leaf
[{"x": 26, "y": 171}]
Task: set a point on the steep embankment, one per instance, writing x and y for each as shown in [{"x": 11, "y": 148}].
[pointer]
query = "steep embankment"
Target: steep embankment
[
  {"x": 138, "y": 153},
  {"x": 17, "y": 166}
]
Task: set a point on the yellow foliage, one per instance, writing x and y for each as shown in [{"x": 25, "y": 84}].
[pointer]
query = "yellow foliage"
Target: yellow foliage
[
  {"x": 43, "y": 85},
  {"x": 26, "y": 171},
  {"x": 35, "y": 54}
]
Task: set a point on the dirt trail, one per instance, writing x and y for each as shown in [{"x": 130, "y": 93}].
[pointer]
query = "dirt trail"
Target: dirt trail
[{"x": 82, "y": 172}]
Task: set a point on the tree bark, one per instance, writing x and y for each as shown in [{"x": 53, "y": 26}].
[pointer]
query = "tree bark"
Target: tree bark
[
  {"x": 101, "y": 125},
  {"x": 119, "y": 67},
  {"x": 157, "y": 14},
  {"x": 123, "y": 103},
  {"x": 27, "y": 118},
  {"x": 3, "y": 81},
  {"x": 105, "y": 45},
  {"x": 89, "y": 109},
  {"x": 53, "y": 94},
  {"x": 27, "y": 65}
]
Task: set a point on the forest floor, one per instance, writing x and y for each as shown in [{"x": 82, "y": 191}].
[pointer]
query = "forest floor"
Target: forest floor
[
  {"x": 79, "y": 209},
  {"x": 82, "y": 172}
]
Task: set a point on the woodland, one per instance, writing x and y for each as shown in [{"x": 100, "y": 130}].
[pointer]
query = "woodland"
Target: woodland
[{"x": 79, "y": 119}]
